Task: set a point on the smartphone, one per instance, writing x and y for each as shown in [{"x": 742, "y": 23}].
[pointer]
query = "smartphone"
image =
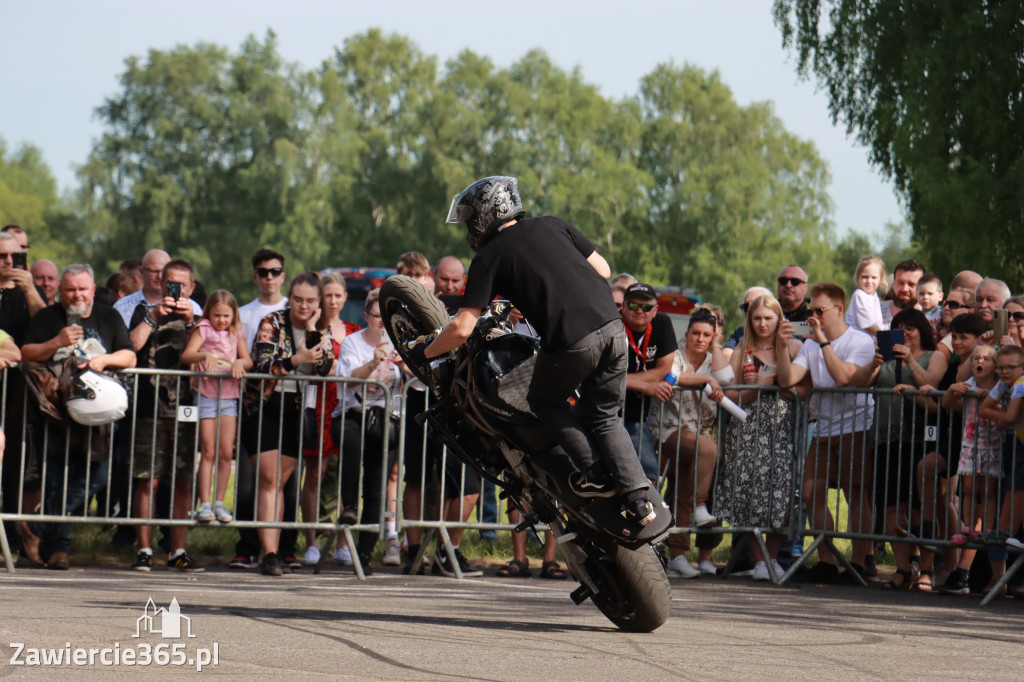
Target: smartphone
[
  {"x": 20, "y": 260},
  {"x": 999, "y": 322},
  {"x": 384, "y": 339},
  {"x": 74, "y": 318},
  {"x": 802, "y": 328},
  {"x": 887, "y": 338},
  {"x": 174, "y": 290}
]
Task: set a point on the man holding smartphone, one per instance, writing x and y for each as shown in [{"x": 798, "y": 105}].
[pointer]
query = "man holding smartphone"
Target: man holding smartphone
[
  {"x": 164, "y": 446},
  {"x": 19, "y": 297}
]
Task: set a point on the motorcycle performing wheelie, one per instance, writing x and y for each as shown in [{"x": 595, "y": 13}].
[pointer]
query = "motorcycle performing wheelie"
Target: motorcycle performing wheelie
[{"x": 501, "y": 398}]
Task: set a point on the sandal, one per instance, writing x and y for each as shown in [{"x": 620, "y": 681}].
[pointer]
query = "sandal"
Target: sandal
[
  {"x": 925, "y": 586},
  {"x": 515, "y": 569},
  {"x": 552, "y": 571},
  {"x": 901, "y": 585}
]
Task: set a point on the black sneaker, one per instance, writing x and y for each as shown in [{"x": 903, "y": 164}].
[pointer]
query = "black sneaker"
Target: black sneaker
[
  {"x": 956, "y": 583},
  {"x": 349, "y": 516},
  {"x": 640, "y": 511},
  {"x": 184, "y": 563},
  {"x": 410, "y": 555},
  {"x": 849, "y": 576},
  {"x": 442, "y": 566},
  {"x": 581, "y": 485},
  {"x": 271, "y": 565},
  {"x": 821, "y": 573},
  {"x": 143, "y": 562},
  {"x": 242, "y": 561}
]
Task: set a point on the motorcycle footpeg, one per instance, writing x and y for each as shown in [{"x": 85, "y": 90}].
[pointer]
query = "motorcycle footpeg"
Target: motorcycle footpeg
[
  {"x": 581, "y": 594},
  {"x": 525, "y": 524}
]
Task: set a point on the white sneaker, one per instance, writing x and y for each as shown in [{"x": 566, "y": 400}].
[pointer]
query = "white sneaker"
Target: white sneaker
[
  {"x": 343, "y": 556},
  {"x": 392, "y": 555},
  {"x": 222, "y": 513},
  {"x": 312, "y": 557},
  {"x": 761, "y": 571},
  {"x": 205, "y": 513},
  {"x": 701, "y": 518},
  {"x": 707, "y": 568},
  {"x": 779, "y": 570},
  {"x": 1014, "y": 543},
  {"x": 681, "y": 568}
]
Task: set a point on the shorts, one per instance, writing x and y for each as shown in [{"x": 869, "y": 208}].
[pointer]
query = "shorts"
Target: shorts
[
  {"x": 425, "y": 453},
  {"x": 209, "y": 409},
  {"x": 842, "y": 460},
  {"x": 276, "y": 426},
  {"x": 151, "y": 454},
  {"x": 896, "y": 479},
  {"x": 1013, "y": 462}
]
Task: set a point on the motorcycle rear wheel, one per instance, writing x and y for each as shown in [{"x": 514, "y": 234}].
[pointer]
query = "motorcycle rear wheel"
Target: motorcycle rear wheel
[
  {"x": 410, "y": 311},
  {"x": 634, "y": 592}
]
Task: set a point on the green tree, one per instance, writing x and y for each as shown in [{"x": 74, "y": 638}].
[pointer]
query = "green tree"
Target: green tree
[
  {"x": 733, "y": 196},
  {"x": 933, "y": 89}
]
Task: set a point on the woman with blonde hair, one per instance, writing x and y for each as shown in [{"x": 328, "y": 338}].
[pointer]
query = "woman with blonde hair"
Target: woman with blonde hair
[{"x": 757, "y": 466}]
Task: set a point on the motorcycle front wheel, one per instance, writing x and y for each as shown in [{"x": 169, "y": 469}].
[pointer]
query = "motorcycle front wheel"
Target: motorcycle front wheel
[
  {"x": 633, "y": 590},
  {"x": 410, "y": 311}
]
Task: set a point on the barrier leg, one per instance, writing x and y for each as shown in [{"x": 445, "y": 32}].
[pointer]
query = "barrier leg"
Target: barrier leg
[
  {"x": 356, "y": 563},
  {"x": 8, "y": 562}
]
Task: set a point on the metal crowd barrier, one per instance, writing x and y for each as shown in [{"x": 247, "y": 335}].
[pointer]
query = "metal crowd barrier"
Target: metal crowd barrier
[{"x": 902, "y": 467}]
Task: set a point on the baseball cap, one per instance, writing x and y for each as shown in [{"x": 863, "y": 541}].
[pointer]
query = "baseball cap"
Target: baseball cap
[{"x": 640, "y": 290}]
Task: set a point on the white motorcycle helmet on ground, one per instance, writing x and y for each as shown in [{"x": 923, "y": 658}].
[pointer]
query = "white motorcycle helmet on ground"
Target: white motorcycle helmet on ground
[{"x": 96, "y": 399}]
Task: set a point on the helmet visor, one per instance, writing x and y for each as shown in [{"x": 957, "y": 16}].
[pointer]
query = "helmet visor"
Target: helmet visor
[{"x": 458, "y": 213}]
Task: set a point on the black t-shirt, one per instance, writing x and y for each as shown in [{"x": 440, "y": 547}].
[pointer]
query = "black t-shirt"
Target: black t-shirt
[
  {"x": 540, "y": 265},
  {"x": 104, "y": 324},
  {"x": 801, "y": 313},
  {"x": 661, "y": 342},
  {"x": 14, "y": 317}
]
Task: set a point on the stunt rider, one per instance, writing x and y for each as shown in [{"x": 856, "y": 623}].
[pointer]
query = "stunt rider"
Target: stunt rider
[{"x": 553, "y": 274}]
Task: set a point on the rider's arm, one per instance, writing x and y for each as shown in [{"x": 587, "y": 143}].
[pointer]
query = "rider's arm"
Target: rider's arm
[
  {"x": 456, "y": 333},
  {"x": 598, "y": 262}
]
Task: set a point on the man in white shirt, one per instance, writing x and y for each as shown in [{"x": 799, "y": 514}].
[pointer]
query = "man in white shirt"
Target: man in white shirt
[
  {"x": 839, "y": 456},
  {"x": 268, "y": 274}
]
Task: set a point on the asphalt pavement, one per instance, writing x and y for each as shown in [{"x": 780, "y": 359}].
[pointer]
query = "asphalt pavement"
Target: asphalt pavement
[{"x": 431, "y": 628}]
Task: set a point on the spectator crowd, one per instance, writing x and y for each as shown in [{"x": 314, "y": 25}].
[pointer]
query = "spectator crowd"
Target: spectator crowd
[{"x": 926, "y": 449}]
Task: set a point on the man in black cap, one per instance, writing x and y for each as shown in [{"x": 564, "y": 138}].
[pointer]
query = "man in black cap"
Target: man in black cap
[{"x": 652, "y": 344}]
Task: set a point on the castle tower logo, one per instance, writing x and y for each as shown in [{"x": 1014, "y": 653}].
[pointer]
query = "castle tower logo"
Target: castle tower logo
[{"x": 164, "y": 622}]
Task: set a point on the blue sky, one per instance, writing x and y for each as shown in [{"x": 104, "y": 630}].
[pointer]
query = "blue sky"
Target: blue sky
[{"x": 61, "y": 58}]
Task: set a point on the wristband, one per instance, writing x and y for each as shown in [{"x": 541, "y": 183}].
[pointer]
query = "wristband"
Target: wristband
[
  {"x": 287, "y": 363},
  {"x": 827, "y": 343},
  {"x": 148, "y": 319}
]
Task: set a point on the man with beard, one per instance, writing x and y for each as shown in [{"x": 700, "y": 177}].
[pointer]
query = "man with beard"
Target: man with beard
[
  {"x": 903, "y": 295},
  {"x": 98, "y": 337}
]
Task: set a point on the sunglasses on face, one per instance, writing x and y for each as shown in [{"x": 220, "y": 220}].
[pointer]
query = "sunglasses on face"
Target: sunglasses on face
[
  {"x": 819, "y": 312},
  {"x": 634, "y": 306},
  {"x": 269, "y": 272},
  {"x": 792, "y": 281},
  {"x": 953, "y": 305},
  {"x": 1017, "y": 317}
]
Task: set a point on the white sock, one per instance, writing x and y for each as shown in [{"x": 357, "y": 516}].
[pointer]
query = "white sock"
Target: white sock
[
  {"x": 390, "y": 530},
  {"x": 146, "y": 550},
  {"x": 177, "y": 553}
]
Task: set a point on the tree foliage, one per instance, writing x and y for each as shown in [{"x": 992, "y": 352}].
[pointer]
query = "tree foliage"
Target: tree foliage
[
  {"x": 212, "y": 154},
  {"x": 935, "y": 90}
]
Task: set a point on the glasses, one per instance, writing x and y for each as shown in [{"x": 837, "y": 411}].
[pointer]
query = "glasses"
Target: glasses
[
  {"x": 153, "y": 271},
  {"x": 269, "y": 272},
  {"x": 375, "y": 316},
  {"x": 791, "y": 281},
  {"x": 1017, "y": 317},
  {"x": 634, "y": 306},
  {"x": 7, "y": 255},
  {"x": 953, "y": 305},
  {"x": 819, "y": 312},
  {"x": 744, "y": 307},
  {"x": 703, "y": 316},
  {"x": 1006, "y": 368}
]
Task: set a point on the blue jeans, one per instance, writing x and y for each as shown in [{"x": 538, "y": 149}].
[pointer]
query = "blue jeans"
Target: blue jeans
[
  {"x": 56, "y": 537},
  {"x": 643, "y": 443}
]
